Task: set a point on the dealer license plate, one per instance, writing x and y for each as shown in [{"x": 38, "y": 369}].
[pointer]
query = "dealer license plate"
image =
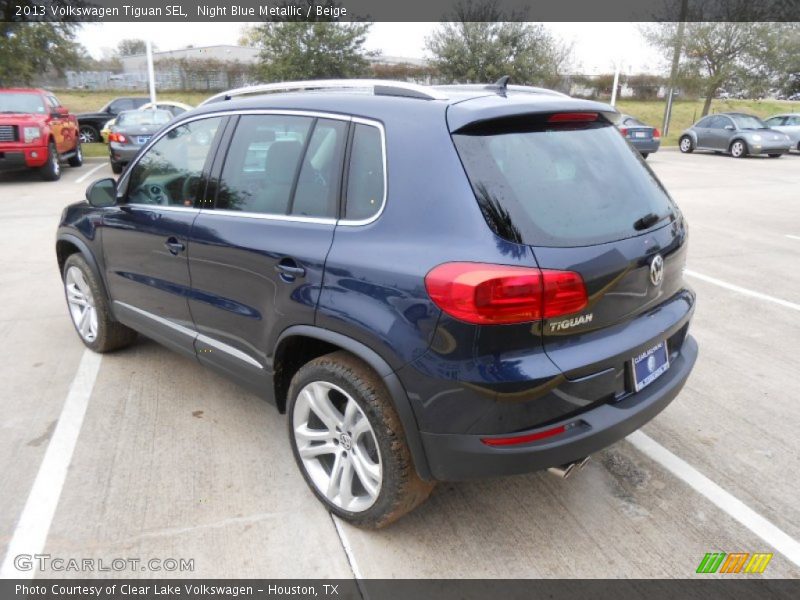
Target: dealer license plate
[{"x": 650, "y": 365}]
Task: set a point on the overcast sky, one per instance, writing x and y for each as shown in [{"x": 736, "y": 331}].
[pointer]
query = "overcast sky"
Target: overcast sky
[{"x": 598, "y": 46}]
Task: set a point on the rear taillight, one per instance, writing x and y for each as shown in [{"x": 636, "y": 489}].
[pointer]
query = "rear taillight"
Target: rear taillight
[
  {"x": 487, "y": 294},
  {"x": 656, "y": 134},
  {"x": 624, "y": 131},
  {"x": 117, "y": 137}
]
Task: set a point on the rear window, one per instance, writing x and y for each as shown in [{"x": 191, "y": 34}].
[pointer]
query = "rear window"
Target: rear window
[{"x": 561, "y": 185}]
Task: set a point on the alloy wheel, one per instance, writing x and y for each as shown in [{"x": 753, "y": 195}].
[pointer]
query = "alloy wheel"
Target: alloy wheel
[
  {"x": 686, "y": 144},
  {"x": 337, "y": 446},
  {"x": 81, "y": 304},
  {"x": 737, "y": 149},
  {"x": 87, "y": 136}
]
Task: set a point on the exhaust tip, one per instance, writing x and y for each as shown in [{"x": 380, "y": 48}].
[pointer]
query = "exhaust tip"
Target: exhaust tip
[{"x": 567, "y": 469}]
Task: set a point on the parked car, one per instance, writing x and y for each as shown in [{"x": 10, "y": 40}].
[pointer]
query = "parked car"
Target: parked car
[
  {"x": 738, "y": 134},
  {"x": 132, "y": 129},
  {"x": 37, "y": 132},
  {"x": 92, "y": 123},
  {"x": 644, "y": 138},
  {"x": 175, "y": 108},
  {"x": 788, "y": 124},
  {"x": 535, "y": 315}
]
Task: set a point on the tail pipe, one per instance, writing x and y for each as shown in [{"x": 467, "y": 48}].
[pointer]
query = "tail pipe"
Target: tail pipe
[{"x": 568, "y": 469}]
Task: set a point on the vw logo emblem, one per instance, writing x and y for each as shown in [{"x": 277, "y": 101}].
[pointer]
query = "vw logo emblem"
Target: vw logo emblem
[{"x": 657, "y": 270}]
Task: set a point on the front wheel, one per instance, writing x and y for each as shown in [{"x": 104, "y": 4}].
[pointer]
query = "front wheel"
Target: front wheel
[
  {"x": 89, "y": 309},
  {"x": 349, "y": 443},
  {"x": 686, "y": 145},
  {"x": 738, "y": 149},
  {"x": 116, "y": 168},
  {"x": 51, "y": 170},
  {"x": 775, "y": 155},
  {"x": 645, "y": 155}
]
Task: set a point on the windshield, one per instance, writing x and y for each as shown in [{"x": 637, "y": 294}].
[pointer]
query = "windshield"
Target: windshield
[
  {"x": 748, "y": 122},
  {"x": 21, "y": 102},
  {"x": 562, "y": 186},
  {"x": 143, "y": 117}
]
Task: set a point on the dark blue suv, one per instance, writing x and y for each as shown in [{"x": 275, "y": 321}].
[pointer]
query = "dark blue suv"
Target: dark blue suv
[{"x": 434, "y": 283}]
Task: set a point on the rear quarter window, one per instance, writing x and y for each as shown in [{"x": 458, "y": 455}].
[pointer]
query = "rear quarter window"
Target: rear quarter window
[
  {"x": 560, "y": 186},
  {"x": 365, "y": 177}
]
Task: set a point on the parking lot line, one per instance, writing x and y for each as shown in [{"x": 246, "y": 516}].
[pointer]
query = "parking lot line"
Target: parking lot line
[
  {"x": 83, "y": 177},
  {"x": 348, "y": 550},
  {"x": 775, "y": 537},
  {"x": 743, "y": 291},
  {"x": 30, "y": 534}
]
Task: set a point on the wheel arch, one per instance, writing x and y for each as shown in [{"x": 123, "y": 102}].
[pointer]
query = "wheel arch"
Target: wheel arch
[
  {"x": 318, "y": 341},
  {"x": 67, "y": 245},
  {"x": 739, "y": 139}
]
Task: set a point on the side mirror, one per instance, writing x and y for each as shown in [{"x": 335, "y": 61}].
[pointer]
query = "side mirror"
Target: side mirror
[{"x": 102, "y": 193}]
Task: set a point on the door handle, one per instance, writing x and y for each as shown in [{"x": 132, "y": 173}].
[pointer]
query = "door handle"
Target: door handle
[
  {"x": 289, "y": 270},
  {"x": 174, "y": 246}
]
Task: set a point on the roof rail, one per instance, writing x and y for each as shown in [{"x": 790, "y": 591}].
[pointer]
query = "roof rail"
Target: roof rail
[
  {"x": 379, "y": 87},
  {"x": 498, "y": 87}
]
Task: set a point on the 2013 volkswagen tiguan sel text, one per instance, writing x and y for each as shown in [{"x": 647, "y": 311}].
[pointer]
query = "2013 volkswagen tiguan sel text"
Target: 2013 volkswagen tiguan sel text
[{"x": 434, "y": 283}]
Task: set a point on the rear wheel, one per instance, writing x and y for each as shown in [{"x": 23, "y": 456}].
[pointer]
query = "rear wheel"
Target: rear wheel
[
  {"x": 116, "y": 168},
  {"x": 76, "y": 160},
  {"x": 88, "y": 134},
  {"x": 51, "y": 170},
  {"x": 686, "y": 145},
  {"x": 645, "y": 155},
  {"x": 89, "y": 309},
  {"x": 349, "y": 443},
  {"x": 738, "y": 149}
]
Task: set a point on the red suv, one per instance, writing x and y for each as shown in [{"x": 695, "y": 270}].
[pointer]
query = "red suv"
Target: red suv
[{"x": 36, "y": 132}]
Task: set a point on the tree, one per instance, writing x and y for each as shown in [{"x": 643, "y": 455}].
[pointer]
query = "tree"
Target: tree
[
  {"x": 28, "y": 50},
  {"x": 318, "y": 48},
  {"x": 482, "y": 44},
  {"x": 132, "y": 47},
  {"x": 721, "y": 53}
]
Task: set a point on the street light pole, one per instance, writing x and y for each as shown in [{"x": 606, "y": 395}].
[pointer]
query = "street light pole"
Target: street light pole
[{"x": 151, "y": 72}]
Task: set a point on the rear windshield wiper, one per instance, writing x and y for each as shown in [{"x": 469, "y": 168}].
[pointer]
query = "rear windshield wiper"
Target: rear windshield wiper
[{"x": 647, "y": 221}]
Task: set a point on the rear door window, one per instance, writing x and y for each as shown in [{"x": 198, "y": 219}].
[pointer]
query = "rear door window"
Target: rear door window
[
  {"x": 563, "y": 186},
  {"x": 366, "y": 185}
]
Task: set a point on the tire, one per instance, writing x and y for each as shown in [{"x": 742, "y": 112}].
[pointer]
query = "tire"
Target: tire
[
  {"x": 360, "y": 433},
  {"x": 116, "y": 168},
  {"x": 775, "y": 155},
  {"x": 645, "y": 155},
  {"x": 686, "y": 145},
  {"x": 89, "y": 309},
  {"x": 88, "y": 134},
  {"x": 77, "y": 159},
  {"x": 738, "y": 149},
  {"x": 51, "y": 170}
]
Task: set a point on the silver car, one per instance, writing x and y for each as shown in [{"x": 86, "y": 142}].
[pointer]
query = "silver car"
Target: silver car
[
  {"x": 738, "y": 134},
  {"x": 788, "y": 123}
]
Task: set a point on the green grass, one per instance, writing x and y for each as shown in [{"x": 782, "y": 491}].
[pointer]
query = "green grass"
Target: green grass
[
  {"x": 95, "y": 150},
  {"x": 684, "y": 112}
]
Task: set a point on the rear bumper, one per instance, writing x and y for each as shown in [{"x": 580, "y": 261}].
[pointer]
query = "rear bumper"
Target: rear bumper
[
  {"x": 122, "y": 154},
  {"x": 456, "y": 457},
  {"x": 21, "y": 158},
  {"x": 646, "y": 146}
]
